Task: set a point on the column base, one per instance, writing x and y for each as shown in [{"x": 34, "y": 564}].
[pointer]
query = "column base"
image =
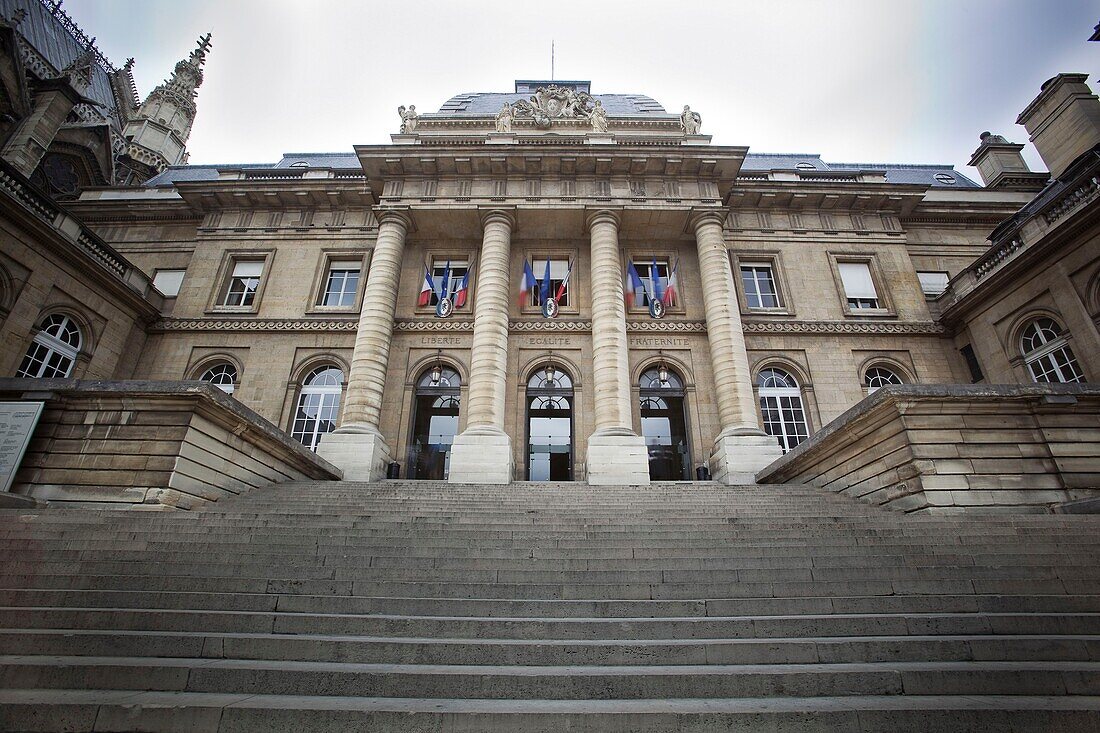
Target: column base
[
  {"x": 617, "y": 459},
  {"x": 361, "y": 456},
  {"x": 481, "y": 458},
  {"x": 737, "y": 458}
]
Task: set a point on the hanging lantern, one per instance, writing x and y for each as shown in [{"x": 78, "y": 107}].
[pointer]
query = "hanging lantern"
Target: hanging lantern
[
  {"x": 550, "y": 373},
  {"x": 662, "y": 373},
  {"x": 437, "y": 374}
]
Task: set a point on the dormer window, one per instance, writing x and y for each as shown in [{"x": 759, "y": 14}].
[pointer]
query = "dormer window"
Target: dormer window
[
  {"x": 804, "y": 166},
  {"x": 945, "y": 179}
]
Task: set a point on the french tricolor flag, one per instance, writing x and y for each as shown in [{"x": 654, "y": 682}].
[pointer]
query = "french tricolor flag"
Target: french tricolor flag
[
  {"x": 634, "y": 285},
  {"x": 564, "y": 282},
  {"x": 671, "y": 295},
  {"x": 426, "y": 289},
  {"x": 526, "y": 282},
  {"x": 463, "y": 289}
]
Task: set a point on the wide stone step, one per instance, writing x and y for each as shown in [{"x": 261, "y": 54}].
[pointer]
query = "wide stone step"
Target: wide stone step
[
  {"x": 573, "y": 682},
  {"x": 432, "y": 650},
  {"x": 577, "y": 628},
  {"x": 135, "y": 710}
]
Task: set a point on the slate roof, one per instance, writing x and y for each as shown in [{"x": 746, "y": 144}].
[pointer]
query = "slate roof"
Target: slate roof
[
  {"x": 481, "y": 104},
  {"x": 922, "y": 174},
  {"x": 895, "y": 172}
]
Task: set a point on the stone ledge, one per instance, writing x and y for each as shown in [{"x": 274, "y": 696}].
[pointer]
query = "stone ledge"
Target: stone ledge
[
  {"x": 931, "y": 447},
  {"x": 179, "y": 444}
]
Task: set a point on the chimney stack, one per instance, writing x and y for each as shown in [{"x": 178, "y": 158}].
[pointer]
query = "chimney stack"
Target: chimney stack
[
  {"x": 1001, "y": 165},
  {"x": 1063, "y": 121}
]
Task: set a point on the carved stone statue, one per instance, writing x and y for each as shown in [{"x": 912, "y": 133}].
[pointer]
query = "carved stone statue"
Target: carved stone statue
[
  {"x": 554, "y": 103},
  {"x": 409, "y": 118},
  {"x": 690, "y": 122},
  {"x": 504, "y": 118},
  {"x": 988, "y": 138},
  {"x": 599, "y": 117}
]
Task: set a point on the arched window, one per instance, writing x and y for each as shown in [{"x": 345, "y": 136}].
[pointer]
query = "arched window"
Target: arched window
[
  {"x": 1047, "y": 354},
  {"x": 781, "y": 407},
  {"x": 222, "y": 375},
  {"x": 878, "y": 377},
  {"x": 54, "y": 349},
  {"x": 318, "y": 405}
]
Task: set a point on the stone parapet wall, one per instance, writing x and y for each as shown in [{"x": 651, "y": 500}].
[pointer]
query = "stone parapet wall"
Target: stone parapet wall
[
  {"x": 949, "y": 449},
  {"x": 151, "y": 445}
]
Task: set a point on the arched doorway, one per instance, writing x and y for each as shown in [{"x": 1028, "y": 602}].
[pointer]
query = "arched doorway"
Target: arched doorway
[
  {"x": 549, "y": 425},
  {"x": 664, "y": 424},
  {"x": 435, "y": 423}
]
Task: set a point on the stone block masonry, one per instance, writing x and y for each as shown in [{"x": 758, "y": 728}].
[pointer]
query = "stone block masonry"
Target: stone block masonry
[
  {"x": 151, "y": 445},
  {"x": 949, "y": 449}
]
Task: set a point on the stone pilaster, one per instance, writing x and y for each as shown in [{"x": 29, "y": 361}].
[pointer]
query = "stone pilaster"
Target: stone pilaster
[
  {"x": 741, "y": 448},
  {"x": 357, "y": 446},
  {"x": 616, "y": 454},
  {"x": 482, "y": 453}
]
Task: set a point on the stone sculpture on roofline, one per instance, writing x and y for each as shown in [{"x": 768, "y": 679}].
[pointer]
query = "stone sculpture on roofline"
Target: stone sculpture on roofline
[
  {"x": 409, "y": 118},
  {"x": 504, "y": 118},
  {"x": 554, "y": 103},
  {"x": 690, "y": 122}
]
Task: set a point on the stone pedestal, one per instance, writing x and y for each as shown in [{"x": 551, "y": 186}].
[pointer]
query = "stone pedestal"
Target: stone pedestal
[
  {"x": 737, "y": 458},
  {"x": 361, "y": 456},
  {"x": 615, "y": 459},
  {"x": 481, "y": 457}
]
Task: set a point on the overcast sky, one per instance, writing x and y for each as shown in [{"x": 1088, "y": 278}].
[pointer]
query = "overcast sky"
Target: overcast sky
[{"x": 854, "y": 80}]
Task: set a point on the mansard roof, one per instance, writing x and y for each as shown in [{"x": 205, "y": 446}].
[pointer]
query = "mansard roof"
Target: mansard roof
[
  {"x": 919, "y": 173},
  {"x": 924, "y": 175}
]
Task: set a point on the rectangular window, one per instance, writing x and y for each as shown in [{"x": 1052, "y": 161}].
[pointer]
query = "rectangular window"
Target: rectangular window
[
  {"x": 759, "y": 284},
  {"x": 972, "y": 364},
  {"x": 558, "y": 268},
  {"x": 652, "y": 279},
  {"x": 454, "y": 280},
  {"x": 859, "y": 288},
  {"x": 341, "y": 283},
  {"x": 933, "y": 283},
  {"x": 243, "y": 284},
  {"x": 168, "y": 282}
]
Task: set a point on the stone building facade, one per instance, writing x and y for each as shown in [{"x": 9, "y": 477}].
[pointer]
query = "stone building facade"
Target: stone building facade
[{"x": 789, "y": 288}]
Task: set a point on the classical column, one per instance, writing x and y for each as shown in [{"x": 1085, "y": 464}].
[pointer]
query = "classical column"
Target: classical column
[
  {"x": 482, "y": 453},
  {"x": 357, "y": 446},
  {"x": 616, "y": 454},
  {"x": 741, "y": 448}
]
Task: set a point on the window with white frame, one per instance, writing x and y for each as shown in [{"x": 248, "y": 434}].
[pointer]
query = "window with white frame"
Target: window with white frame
[
  {"x": 318, "y": 406},
  {"x": 758, "y": 281},
  {"x": 222, "y": 375},
  {"x": 781, "y": 407},
  {"x": 458, "y": 270},
  {"x": 558, "y": 269},
  {"x": 654, "y": 273},
  {"x": 53, "y": 351},
  {"x": 1047, "y": 354},
  {"x": 341, "y": 283},
  {"x": 859, "y": 286},
  {"x": 878, "y": 377},
  {"x": 933, "y": 283},
  {"x": 168, "y": 282},
  {"x": 244, "y": 281}
]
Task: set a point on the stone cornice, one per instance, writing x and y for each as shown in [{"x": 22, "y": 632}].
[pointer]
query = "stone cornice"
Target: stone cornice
[{"x": 845, "y": 327}]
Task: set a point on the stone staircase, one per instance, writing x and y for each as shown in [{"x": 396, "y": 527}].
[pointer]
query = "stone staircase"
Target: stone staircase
[{"x": 415, "y": 606}]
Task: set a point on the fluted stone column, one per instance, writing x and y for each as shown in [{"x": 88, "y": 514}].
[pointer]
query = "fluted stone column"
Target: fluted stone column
[
  {"x": 357, "y": 446},
  {"x": 482, "y": 453},
  {"x": 741, "y": 448},
  {"x": 616, "y": 454}
]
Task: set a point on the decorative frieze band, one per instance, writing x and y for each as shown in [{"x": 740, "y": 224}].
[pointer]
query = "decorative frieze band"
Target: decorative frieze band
[
  {"x": 241, "y": 324},
  {"x": 434, "y": 325},
  {"x": 845, "y": 327}
]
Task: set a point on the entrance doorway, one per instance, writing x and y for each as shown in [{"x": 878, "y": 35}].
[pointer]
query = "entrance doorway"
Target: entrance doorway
[
  {"x": 549, "y": 425},
  {"x": 435, "y": 423},
  {"x": 664, "y": 425}
]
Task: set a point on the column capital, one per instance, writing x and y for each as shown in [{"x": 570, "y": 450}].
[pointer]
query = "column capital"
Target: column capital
[
  {"x": 497, "y": 213},
  {"x": 391, "y": 215},
  {"x": 700, "y": 216},
  {"x": 596, "y": 216}
]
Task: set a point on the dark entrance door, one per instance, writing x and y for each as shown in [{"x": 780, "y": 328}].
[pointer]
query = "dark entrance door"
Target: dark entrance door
[
  {"x": 664, "y": 425},
  {"x": 435, "y": 424},
  {"x": 549, "y": 426}
]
